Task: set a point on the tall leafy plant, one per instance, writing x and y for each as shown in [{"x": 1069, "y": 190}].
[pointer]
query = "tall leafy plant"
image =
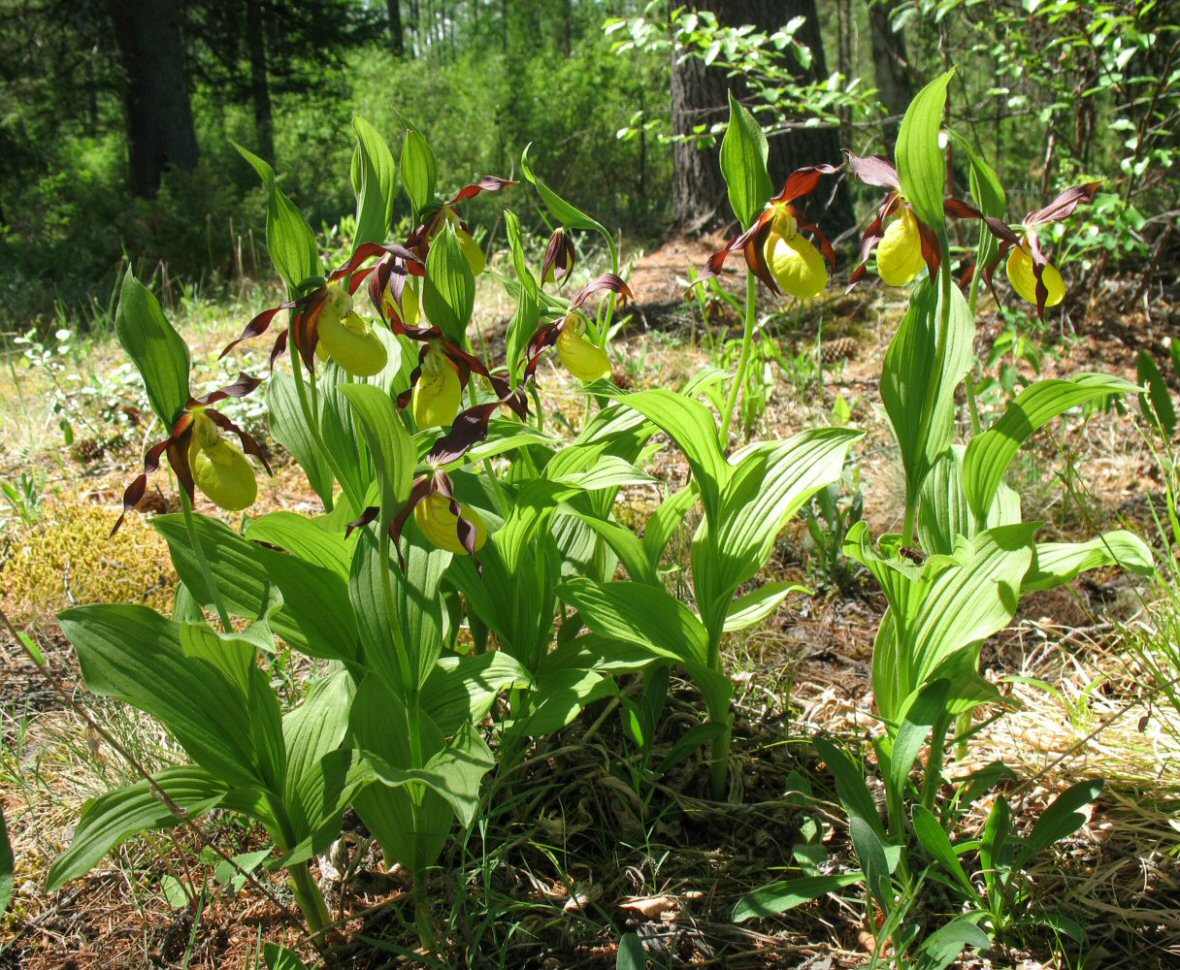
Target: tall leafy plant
[{"x": 965, "y": 558}]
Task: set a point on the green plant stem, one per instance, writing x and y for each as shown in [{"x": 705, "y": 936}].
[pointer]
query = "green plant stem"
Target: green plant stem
[
  {"x": 907, "y": 532},
  {"x": 720, "y": 747},
  {"x": 423, "y": 915},
  {"x": 310, "y": 899},
  {"x": 186, "y": 505},
  {"x": 972, "y": 402},
  {"x": 744, "y": 360},
  {"x": 895, "y": 811},
  {"x": 313, "y": 425},
  {"x": 934, "y": 761},
  {"x": 719, "y": 759},
  {"x": 611, "y": 297},
  {"x": 944, "y": 313}
]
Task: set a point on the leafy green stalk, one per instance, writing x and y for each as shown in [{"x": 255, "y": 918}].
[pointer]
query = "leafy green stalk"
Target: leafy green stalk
[
  {"x": 749, "y": 322},
  {"x": 186, "y": 505},
  {"x": 310, "y": 412}
]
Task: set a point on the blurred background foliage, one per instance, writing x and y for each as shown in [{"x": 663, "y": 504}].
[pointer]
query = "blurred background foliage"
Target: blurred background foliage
[{"x": 96, "y": 164}]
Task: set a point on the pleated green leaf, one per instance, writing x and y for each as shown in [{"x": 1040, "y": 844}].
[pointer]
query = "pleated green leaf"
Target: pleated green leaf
[
  {"x": 1058, "y": 563},
  {"x": 134, "y": 654},
  {"x": 743, "y": 163},
  {"x": 116, "y": 816},
  {"x": 989, "y": 455},
  {"x": 290, "y": 240},
  {"x": 925, "y": 363},
  {"x": 921, "y": 164},
  {"x": 159, "y": 353}
]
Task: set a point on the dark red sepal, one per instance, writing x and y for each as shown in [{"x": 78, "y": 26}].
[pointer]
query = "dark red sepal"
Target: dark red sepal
[
  {"x": 368, "y": 515},
  {"x": 489, "y": 183},
  {"x": 1064, "y": 205},
  {"x": 754, "y": 251},
  {"x": 176, "y": 445},
  {"x": 245, "y": 384},
  {"x": 249, "y": 443},
  {"x": 931, "y": 250},
  {"x": 802, "y": 182},
  {"x": 259, "y": 325},
  {"x": 875, "y": 170}
]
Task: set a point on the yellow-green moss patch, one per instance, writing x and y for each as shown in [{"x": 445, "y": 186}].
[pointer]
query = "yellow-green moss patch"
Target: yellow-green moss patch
[{"x": 70, "y": 558}]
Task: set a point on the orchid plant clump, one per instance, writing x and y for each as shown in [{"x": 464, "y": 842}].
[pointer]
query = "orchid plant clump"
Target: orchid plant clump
[
  {"x": 467, "y": 580},
  {"x": 467, "y": 584},
  {"x": 965, "y": 558}
]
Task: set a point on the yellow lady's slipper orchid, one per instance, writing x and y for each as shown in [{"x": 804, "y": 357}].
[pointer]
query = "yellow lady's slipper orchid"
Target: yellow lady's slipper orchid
[
  {"x": 796, "y": 264},
  {"x": 1022, "y": 275},
  {"x": 774, "y": 247},
  {"x": 438, "y": 392},
  {"x": 219, "y": 468},
  {"x": 352, "y": 343},
  {"x": 581, "y": 358},
  {"x": 902, "y": 242},
  {"x": 441, "y": 526},
  {"x": 899, "y": 253},
  {"x": 222, "y": 472}
]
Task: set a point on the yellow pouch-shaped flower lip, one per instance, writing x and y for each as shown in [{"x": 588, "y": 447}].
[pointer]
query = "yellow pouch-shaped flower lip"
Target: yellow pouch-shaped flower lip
[
  {"x": 1023, "y": 277},
  {"x": 438, "y": 393},
  {"x": 797, "y": 266},
  {"x": 473, "y": 252},
  {"x": 441, "y": 526},
  {"x": 223, "y": 474},
  {"x": 471, "y": 249},
  {"x": 581, "y": 358},
  {"x": 899, "y": 254},
  {"x": 352, "y": 343}
]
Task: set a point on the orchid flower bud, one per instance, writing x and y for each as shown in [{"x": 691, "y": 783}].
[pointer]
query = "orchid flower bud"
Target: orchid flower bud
[
  {"x": 899, "y": 253},
  {"x": 438, "y": 393},
  {"x": 441, "y": 526},
  {"x": 352, "y": 343},
  {"x": 581, "y": 358}
]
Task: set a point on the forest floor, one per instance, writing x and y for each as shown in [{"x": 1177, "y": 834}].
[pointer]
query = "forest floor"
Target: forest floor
[{"x": 585, "y": 843}]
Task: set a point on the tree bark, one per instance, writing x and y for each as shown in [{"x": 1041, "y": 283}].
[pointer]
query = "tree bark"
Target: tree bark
[
  {"x": 397, "y": 42},
  {"x": 698, "y": 190},
  {"x": 891, "y": 66},
  {"x": 159, "y": 114},
  {"x": 264, "y": 130},
  {"x": 699, "y": 97}
]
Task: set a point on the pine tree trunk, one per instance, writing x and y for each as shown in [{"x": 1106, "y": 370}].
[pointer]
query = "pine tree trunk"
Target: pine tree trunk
[
  {"x": 259, "y": 81},
  {"x": 396, "y": 40},
  {"x": 159, "y": 114},
  {"x": 891, "y": 66},
  {"x": 698, "y": 190},
  {"x": 699, "y": 97}
]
